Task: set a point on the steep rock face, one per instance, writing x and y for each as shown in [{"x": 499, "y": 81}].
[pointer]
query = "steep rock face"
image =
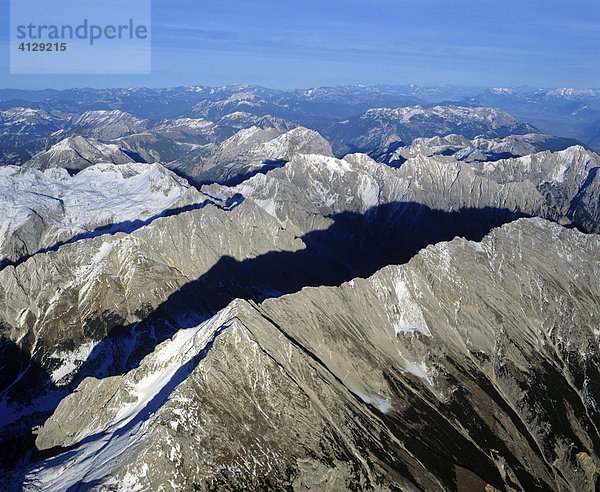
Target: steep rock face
[
  {"x": 42, "y": 209},
  {"x": 98, "y": 306},
  {"x": 77, "y": 153},
  {"x": 115, "y": 284},
  {"x": 346, "y": 218},
  {"x": 567, "y": 166},
  {"x": 271, "y": 144},
  {"x": 451, "y": 371},
  {"x": 102, "y": 303},
  {"x": 567, "y": 179},
  {"x": 152, "y": 147}
]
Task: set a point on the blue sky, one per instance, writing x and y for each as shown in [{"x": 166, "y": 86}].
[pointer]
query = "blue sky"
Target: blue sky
[{"x": 314, "y": 43}]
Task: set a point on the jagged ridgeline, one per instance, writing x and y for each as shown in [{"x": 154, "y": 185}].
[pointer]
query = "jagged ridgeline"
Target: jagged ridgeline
[{"x": 343, "y": 289}]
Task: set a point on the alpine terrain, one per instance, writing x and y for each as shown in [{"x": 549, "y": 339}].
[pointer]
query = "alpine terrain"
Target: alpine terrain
[{"x": 350, "y": 288}]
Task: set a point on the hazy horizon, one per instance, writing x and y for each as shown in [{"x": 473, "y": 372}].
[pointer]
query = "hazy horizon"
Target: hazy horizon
[
  {"x": 545, "y": 44},
  {"x": 516, "y": 88}
]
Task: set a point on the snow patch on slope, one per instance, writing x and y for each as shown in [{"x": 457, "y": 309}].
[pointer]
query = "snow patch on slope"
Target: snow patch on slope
[
  {"x": 402, "y": 309},
  {"x": 102, "y": 450},
  {"x": 69, "y": 361},
  {"x": 383, "y": 404}
]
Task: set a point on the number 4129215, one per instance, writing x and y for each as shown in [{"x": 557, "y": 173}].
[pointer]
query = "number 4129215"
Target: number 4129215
[{"x": 43, "y": 47}]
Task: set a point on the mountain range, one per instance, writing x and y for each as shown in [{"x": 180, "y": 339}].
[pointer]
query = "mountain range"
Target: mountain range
[{"x": 238, "y": 288}]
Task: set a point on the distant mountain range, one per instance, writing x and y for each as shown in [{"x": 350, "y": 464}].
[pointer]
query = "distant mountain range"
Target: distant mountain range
[{"x": 559, "y": 112}]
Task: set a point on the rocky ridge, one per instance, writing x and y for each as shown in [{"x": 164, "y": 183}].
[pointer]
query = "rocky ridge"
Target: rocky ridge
[{"x": 394, "y": 381}]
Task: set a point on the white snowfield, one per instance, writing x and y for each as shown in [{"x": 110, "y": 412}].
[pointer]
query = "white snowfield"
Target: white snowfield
[
  {"x": 569, "y": 92},
  {"x": 99, "y": 195}
]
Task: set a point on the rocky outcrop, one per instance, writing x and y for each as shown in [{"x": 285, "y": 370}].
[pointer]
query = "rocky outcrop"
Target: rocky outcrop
[
  {"x": 311, "y": 188},
  {"x": 567, "y": 180},
  {"x": 93, "y": 288}
]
